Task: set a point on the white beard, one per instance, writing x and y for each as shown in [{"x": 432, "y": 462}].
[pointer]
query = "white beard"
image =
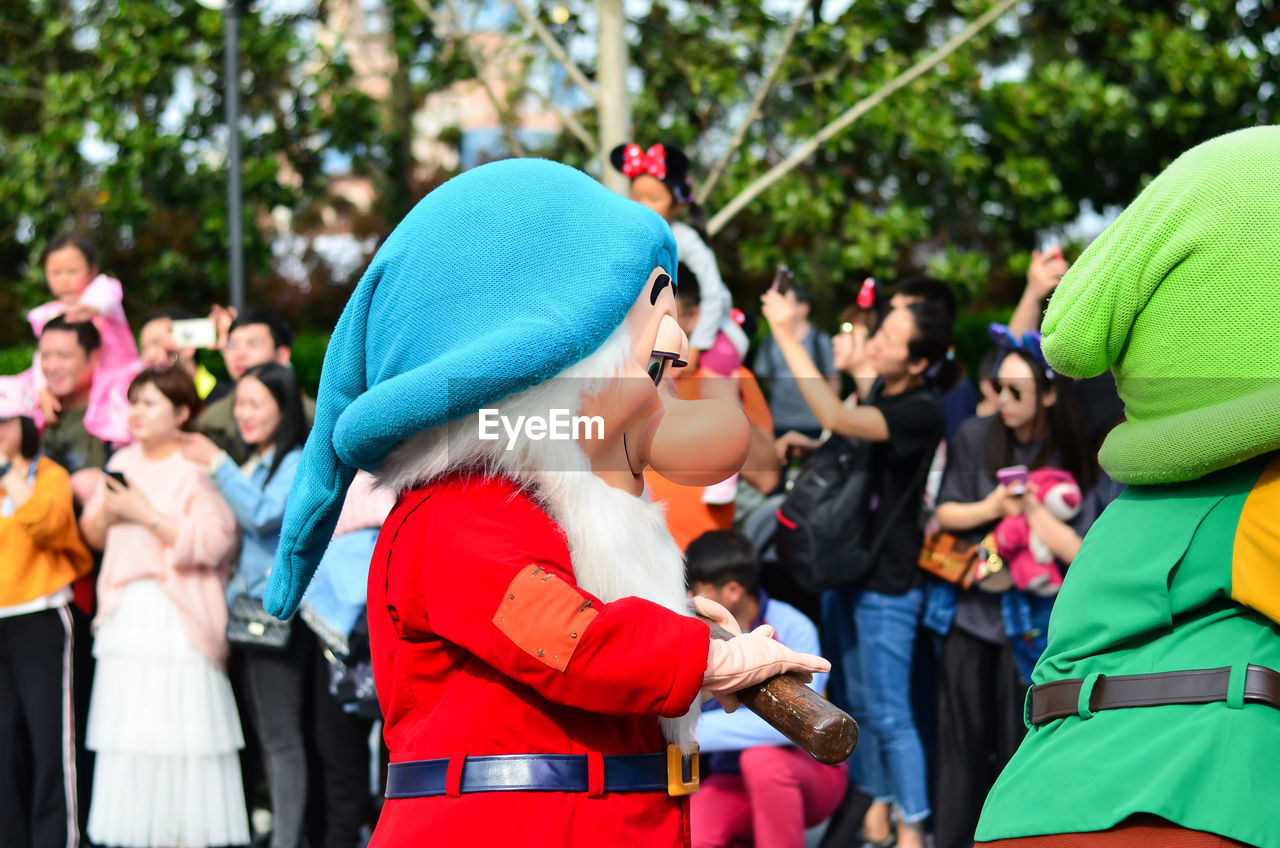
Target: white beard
[{"x": 619, "y": 545}]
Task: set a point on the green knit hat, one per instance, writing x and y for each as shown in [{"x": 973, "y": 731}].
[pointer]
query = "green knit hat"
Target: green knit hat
[{"x": 1180, "y": 298}]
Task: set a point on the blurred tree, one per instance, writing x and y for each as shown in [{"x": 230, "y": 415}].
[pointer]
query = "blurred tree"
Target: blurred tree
[
  {"x": 111, "y": 123},
  {"x": 1058, "y": 108},
  {"x": 110, "y": 120}
]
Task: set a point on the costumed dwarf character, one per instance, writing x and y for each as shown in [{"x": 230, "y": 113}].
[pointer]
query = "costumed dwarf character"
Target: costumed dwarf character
[
  {"x": 1154, "y": 715},
  {"x": 532, "y": 651}
]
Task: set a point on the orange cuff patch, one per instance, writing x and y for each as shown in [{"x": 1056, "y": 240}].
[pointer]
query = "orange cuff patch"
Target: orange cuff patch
[{"x": 544, "y": 616}]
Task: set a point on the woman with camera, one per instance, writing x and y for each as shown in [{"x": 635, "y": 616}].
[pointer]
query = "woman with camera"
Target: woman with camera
[{"x": 899, "y": 414}]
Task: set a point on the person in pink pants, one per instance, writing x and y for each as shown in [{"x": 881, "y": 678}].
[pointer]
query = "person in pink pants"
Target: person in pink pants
[{"x": 760, "y": 790}]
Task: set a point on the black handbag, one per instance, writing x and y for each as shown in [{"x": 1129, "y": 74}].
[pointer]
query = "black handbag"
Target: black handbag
[
  {"x": 249, "y": 625},
  {"x": 351, "y": 677}
]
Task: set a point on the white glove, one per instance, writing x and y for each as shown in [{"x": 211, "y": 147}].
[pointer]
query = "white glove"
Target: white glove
[
  {"x": 708, "y": 608},
  {"x": 753, "y": 658}
]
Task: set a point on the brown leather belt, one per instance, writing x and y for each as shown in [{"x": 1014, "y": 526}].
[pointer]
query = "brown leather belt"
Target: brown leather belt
[{"x": 1061, "y": 698}]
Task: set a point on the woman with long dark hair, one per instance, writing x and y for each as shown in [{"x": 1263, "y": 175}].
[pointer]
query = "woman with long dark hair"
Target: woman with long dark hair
[
  {"x": 874, "y": 623},
  {"x": 993, "y": 633}
]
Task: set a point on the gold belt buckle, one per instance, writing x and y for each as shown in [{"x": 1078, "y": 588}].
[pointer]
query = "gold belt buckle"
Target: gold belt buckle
[{"x": 676, "y": 784}]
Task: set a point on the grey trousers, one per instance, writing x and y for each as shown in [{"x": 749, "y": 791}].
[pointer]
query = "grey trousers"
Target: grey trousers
[{"x": 316, "y": 756}]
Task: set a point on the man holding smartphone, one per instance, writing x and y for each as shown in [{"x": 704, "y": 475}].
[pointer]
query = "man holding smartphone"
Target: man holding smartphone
[
  {"x": 172, "y": 337},
  {"x": 255, "y": 337}
]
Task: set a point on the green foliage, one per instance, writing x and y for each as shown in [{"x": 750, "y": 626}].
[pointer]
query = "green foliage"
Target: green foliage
[
  {"x": 1058, "y": 105},
  {"x": 15, "y": 360},
  {"x": 972, "y": 338},
  {"x": 307, "y": 357},
  {"x": 112, "y": 123}
]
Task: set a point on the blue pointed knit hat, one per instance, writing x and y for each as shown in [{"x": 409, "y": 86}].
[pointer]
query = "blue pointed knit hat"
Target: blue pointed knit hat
[{"x": 495, "y": 282}]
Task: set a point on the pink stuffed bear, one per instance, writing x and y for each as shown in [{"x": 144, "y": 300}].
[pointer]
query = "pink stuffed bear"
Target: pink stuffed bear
[{"x": 1030, "y": 563}]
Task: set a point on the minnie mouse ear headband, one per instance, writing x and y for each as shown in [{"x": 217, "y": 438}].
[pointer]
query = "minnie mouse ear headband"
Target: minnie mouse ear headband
[
  {"x": 664, "y": 162},
  {"x": 1006, "y": 341},
  {"x": 868, "y": 294}
]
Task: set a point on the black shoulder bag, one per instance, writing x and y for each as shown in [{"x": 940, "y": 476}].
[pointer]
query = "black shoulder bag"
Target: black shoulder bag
[{"x": 822, "y": 529}]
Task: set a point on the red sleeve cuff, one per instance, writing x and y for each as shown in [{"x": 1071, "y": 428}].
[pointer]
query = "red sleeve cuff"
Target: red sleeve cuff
[{"x": 686, "y": 683}]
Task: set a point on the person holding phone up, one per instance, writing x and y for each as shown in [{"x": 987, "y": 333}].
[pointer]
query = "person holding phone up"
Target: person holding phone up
[
  {"x": 992, "y": 639},
  {"x": 792, "y": 416},
  {"x": 174, "y": 337},
  {"x": 873, "y": 623}
]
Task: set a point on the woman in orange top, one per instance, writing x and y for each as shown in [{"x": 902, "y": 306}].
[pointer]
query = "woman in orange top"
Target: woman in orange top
[
  {"x": 693, "y": 510},
  {"x": 40, "y": 555}
]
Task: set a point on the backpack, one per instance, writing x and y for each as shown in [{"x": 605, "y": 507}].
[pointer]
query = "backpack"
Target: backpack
[{"x": 822, "y": 524}]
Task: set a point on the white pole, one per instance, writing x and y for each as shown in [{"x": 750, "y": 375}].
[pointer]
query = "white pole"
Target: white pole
[{"x": 615, "y": 104}]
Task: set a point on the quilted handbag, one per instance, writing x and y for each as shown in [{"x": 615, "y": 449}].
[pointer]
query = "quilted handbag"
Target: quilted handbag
[{"x": 251, "y": 626}]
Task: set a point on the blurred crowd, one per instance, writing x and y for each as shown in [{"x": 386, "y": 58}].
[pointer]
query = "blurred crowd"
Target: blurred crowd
[{"x": 146, "y": 698}]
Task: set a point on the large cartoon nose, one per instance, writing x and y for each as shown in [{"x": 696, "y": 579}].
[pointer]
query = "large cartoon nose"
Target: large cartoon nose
[{"x": 697, "y": 442}]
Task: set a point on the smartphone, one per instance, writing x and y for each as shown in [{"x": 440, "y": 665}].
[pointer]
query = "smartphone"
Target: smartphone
[
  {"x": 782, "y": 279},
  {"x": 1015, "y": 477},
  {"x": 195, "y": 332},
  {"x": 118, "y": 476}
]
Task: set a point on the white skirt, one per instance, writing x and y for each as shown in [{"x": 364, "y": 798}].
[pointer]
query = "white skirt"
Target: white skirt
[{"x": 164, "y": 725}]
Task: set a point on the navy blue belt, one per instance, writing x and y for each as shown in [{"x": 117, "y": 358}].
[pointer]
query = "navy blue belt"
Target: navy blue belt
[{"x": 594, "y": 774}]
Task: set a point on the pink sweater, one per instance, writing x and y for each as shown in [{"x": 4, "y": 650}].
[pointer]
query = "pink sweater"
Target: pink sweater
[
  {"x": 106, "y": 295},
  {"x": 195, "y": 569},
  {"x": 108, "y": 415},
  {"x": 365, "y": 505}
]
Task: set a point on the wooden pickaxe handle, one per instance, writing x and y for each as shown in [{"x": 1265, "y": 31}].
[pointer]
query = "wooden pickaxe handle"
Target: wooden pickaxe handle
[{"x": 820, "y": 728}]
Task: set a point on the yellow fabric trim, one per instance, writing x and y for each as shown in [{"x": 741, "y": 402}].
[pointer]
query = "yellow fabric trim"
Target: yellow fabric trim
[
  {"x": 204, "y": 381},
  {"x": 1255, "y": 558}
]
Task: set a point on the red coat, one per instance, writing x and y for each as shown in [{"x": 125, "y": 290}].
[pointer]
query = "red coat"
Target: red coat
[{"x": 457, "y": 619}]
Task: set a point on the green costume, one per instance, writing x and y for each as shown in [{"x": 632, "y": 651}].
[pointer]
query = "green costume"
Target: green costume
[{"x": 1181, "y": 299}]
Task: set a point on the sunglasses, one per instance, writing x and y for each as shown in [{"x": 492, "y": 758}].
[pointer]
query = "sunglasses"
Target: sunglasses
[
  {"x": 1014, "y": 391},
  {"x": 658, "y": 363}
]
